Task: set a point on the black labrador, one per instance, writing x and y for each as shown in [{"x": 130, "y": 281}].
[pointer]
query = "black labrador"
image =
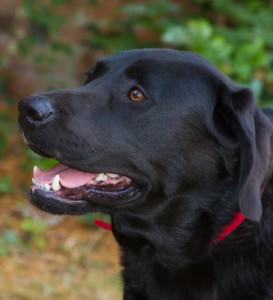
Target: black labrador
[{"x": 180, "y": 158}]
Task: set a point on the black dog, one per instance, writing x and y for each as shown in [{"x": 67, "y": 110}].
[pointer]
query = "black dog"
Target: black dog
[{"x": 190, "y": 162}]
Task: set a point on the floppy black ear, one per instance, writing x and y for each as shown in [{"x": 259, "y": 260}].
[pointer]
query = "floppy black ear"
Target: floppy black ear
[{"x": 234, "y": 120}]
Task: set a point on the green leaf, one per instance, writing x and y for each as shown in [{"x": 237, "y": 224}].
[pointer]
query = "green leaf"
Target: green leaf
[
  {"x": 10, "y": 237},
  {"x": 33, "y": 226},
  {"x": 5, "y": 185}
]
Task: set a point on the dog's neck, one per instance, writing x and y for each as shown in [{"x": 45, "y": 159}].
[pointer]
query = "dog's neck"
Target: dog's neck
[
  {"x": 226, "y": 230},
  {"x": 231, "y": 226}
]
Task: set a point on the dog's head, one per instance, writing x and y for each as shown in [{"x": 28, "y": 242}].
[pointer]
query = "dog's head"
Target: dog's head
[{"x": 159, "y": 135}]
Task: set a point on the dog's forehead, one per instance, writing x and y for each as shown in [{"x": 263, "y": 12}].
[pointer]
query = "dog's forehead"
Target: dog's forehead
[
  {"x": 152, "y": 54},
  {"x": 165, "y": 58},
  {"x": 158, "y": 57}
]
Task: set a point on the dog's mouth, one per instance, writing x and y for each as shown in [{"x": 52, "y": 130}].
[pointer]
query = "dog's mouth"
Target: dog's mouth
[{"x": 64, "y": 190}]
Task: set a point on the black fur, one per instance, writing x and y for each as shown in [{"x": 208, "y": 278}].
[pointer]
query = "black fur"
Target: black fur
[{"x": 199, "y": 150}]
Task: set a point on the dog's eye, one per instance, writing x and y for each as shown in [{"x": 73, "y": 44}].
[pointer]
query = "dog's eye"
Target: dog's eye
[{"x": 136, "y": 95}]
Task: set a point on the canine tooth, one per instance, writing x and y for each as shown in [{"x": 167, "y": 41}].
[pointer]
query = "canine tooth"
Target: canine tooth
[
  {"x": 56, "y": 183},
  {"x": 112, "y": 175},
  {"x": 33, "y": 181},
  {"x": 102, "y": 177},
  {"x": 35, "y": 169}
]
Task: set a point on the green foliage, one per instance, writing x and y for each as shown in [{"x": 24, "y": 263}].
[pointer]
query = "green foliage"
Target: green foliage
[
  {"x": 43, "y": 14},
  {"x": 33, "y": 226},
  {"x": 40, "y": 161},
  {"x": 45, "y": 23},
  {"x": 122, "y": 33},
  {"x": 34, "y": 229},
  {"x": 240, "y": 61},
  {"x": 5, "y": 185},
  {"x": 8, "y": 239},
  {"x": 7, "y": 127},
  {"x": 236, "y": 36},
  {"x": 31, "y": 235}
]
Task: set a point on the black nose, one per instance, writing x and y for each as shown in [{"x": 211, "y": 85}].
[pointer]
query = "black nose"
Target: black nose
[{"x": 35, "y": 110}]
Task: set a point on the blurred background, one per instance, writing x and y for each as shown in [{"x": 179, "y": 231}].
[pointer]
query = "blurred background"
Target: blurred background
[{"x": 48, "y": 44}]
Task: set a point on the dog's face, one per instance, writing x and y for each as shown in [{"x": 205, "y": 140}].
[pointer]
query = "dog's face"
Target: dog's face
[{"x": 168, "y": 127}]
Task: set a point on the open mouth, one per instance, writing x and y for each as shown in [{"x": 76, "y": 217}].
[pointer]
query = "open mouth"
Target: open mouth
[{"x": 63, "y": 190}]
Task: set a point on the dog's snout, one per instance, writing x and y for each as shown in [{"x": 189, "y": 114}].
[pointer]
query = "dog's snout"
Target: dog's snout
[{"x": 36, "y": 109}]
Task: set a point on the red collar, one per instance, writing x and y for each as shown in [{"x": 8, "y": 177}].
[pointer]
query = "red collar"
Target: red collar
[
  {"x": 231, "y": 226},
  {"x": 237, "y": 220},
  {"x": 103, "y": 224},
  {"x": 226, "y": 230}
]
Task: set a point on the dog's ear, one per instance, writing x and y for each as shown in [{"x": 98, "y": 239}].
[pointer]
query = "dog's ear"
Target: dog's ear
[{"x": 233, "y": 118}]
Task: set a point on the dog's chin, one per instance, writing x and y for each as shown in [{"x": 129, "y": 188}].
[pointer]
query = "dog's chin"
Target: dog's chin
[{"x": 85, "y": 199}]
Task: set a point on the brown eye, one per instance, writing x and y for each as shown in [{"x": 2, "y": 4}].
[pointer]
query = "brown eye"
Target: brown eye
[{"x": 136, "y": 95}]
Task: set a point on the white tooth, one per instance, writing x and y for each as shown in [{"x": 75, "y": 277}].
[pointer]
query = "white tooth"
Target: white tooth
[
  {"x": 112, "y": 175},
  {"x": 33, "y": 181},
  {"x": 56, "y": 183},
  {"x": 102, "y": 177},
  {"x": 35, "y": 169},
  {"x": 47, "y": 187}
]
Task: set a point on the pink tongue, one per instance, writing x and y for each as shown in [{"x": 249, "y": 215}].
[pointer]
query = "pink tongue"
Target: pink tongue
[{"x": 69, "y": 178}]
